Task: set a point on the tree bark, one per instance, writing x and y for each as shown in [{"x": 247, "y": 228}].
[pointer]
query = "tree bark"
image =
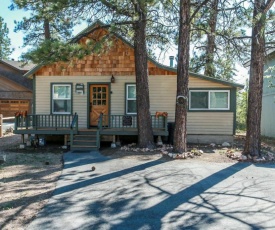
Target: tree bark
[
  {"x": 210, "y": 48},
  {"x": 253, "y": 133},
  {"x": 145, "y": 130},
  {"x": 180, "y": 134},
  {"x": 47, "y": 29}
]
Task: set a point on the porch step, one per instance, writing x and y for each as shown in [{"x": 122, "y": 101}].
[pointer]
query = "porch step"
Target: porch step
[
  {"x": 85, "y": 140},
  {"x": 84, "y": 148}
]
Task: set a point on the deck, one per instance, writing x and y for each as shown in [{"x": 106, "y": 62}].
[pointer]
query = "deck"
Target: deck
[{"x": 68, "y": 125}]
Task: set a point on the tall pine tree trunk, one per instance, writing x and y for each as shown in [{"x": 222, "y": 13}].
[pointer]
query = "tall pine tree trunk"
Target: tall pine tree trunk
[
  {"x": 210, "y": 48},
  {"x": 180, "y": 134},
  {"x": 253, "y": 133},
  {"x": 145, "y": 130},
  {"x": 47, "y": 32}
]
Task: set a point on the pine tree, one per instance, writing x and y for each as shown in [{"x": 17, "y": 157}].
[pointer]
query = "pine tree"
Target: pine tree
[
  {"x": 253, "y": 133},
  {"x": 5, "y": 43},
  {"x": 43, "y": 23},
  {"x": 219, "y": 39}
]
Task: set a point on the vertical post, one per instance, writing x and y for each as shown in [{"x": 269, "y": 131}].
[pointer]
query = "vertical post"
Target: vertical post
[
  {"x": 65, "y": 139},
  {"x": 71, "y": 138},
  {"x": 15, "y": 122},
  {"x": 22, "y": 138},
  {"x": 27, "y": 121},
  {"x": 113, "y": 145},
  {"x": 1, "y": 125},
  {"x": 97, "y": 139},
  {"x": 55, "y": 116},
  {"x": 76, "y": 122}
]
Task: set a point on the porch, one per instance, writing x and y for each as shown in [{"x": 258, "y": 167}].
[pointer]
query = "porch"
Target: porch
[{"x": 67, "y": 125}]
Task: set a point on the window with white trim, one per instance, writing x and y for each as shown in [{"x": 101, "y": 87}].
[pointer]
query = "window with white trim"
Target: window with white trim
[
  {"x": 61, "y": 98},
  {"x": 131, "y": 101},
  {"x": 209, "y": 99}
]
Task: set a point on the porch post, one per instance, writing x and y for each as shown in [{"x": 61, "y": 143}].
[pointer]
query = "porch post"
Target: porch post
[
  {"x": 159, "y": 141},
  {"x": 113, "y": 145}
]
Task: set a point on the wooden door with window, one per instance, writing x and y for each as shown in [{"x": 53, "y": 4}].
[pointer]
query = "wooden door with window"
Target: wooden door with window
[{"x": 99, "y": 103}]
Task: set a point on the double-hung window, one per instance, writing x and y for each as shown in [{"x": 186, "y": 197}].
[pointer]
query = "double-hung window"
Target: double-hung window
[
  {"x": 209, "y": 99},
  {"x": 61, "y": 98},
  {"x": 131, "y": 101}
]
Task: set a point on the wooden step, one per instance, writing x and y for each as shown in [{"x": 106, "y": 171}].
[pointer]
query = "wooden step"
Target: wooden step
[
  {"x": 87, "y": 132},
  {"x": 84, "y": 137},
  {"x": 83, "y": 148},
  {"x": 85, "y": 140}
]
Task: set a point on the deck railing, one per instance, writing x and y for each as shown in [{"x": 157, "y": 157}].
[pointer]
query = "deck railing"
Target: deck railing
[
  {"x": 129, "y": 121},
  {"x": 41, "y": 121}
]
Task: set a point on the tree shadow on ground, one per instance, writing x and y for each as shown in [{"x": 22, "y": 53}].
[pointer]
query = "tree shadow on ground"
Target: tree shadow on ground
[{"x": 145, "y": 196}]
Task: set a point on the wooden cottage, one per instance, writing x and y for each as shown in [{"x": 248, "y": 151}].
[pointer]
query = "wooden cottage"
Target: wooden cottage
[
  {"x": 96, "y": 97},
  {"x": 15, "y": 90}
]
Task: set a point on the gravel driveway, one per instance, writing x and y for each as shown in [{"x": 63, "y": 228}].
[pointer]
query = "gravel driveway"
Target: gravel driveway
[
  {"x": 8, "y": 140},
  {"x": 157, "y": 194}
]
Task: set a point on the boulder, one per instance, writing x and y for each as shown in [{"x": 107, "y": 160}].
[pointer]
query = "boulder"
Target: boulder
[{"x": 225, "y": 144}]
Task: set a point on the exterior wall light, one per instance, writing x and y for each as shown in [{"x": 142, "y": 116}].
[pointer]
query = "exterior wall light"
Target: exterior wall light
[{"x": 113, "y": 79}]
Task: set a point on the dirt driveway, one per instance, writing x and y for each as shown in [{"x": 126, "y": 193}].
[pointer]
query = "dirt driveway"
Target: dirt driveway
[{"x": 27, "y": 180}]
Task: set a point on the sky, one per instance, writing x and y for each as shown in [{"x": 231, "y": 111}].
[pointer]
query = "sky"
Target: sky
[
  {"x": 9, "y": 17},
  {"x": 17, "y": 38}
]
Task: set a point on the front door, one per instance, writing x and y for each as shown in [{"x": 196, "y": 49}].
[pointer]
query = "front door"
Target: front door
[{"x": 99, "y": 103}]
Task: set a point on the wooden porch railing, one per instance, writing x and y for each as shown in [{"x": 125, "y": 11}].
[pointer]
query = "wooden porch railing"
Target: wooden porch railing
[
  {"x": 129, "y": 121},
  {"x": 41, "y": 121}
]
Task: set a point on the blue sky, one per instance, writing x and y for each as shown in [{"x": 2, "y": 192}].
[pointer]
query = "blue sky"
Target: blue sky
[
  {"x": 9, "y": 17},
  {"x": 17, "y": 38}
]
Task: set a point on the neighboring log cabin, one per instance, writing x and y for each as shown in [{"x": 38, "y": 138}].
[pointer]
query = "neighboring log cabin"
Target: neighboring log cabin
[
  {"x": 15, "y": 90},
  {"x": 98, "y": 94}
]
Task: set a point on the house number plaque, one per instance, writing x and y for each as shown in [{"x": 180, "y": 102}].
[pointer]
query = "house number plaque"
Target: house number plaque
[{"x": 79, "y": 88}]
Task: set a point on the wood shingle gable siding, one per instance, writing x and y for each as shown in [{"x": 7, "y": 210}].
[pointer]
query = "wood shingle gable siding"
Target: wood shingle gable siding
[{"x": 116, "y": 59}]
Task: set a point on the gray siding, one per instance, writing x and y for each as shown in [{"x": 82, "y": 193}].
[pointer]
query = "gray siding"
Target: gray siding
[{"x": 268, "y": 109}]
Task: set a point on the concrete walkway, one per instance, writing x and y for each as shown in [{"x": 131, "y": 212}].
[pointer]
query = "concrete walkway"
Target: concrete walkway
[{"x": 156, "y": 194}]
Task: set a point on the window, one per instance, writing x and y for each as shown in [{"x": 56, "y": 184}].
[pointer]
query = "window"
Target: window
[
  {"x": 61, "y": 98},
  {"x": 131, "y": 102},
  {"x": 209, "y": 99}
]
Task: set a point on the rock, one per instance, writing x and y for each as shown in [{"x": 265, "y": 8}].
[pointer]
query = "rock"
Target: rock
[
  {"x": 200, "y": 151},
  {"x": 2, "y": 159},
  {"x": 212, "y": 145},
  {"x": 225, "y": 144},
  {"x": 244, "y": 157},
  {"x": 170, "y": 154},
  {"x": 258, "y": 159}
]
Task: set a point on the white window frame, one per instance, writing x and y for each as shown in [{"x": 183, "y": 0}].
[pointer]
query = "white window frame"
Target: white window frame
[
  {"x": 129, "y": 99},
  {"x": 210, "y": 91},
  {"x": 53, "y": 98}
]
